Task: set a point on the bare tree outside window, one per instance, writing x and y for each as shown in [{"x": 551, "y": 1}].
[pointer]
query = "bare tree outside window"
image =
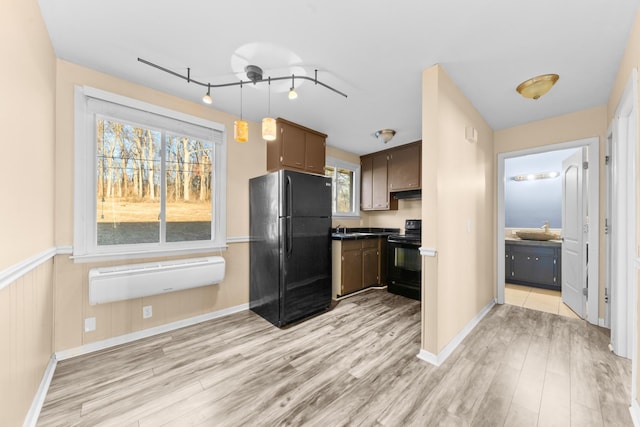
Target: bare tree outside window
[{"x": 129, "y": 197}]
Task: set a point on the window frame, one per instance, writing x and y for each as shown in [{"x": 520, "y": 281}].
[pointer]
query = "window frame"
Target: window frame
[
  {"x": 355, "y": 168},
  {"x": 85, "y": 247}
]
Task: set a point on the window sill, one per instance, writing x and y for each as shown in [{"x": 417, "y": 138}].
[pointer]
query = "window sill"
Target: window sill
[{"x": 156, "y": 253}]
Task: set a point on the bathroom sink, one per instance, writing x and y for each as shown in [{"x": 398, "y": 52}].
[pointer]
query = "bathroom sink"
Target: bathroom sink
[{"x": 537, "y": 235}]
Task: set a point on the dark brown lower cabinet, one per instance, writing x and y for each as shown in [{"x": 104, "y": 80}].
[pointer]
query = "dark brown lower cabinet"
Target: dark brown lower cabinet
[
  {"x": 360, "y": 265},
  {"x": 533, "y": 264}
]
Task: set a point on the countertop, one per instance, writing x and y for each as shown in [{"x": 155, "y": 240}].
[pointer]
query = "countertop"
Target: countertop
[
  {"x": 517, "y": 241},
  {"x": 363, "y": 233}
]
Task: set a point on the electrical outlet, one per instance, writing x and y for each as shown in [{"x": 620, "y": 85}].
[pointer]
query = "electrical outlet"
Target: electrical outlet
[
  {"x": 90, "y": 324},
  {"x": 147, "y": 311}
]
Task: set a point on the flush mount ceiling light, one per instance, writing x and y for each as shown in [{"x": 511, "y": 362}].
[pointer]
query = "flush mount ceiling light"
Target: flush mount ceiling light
[
  {"x": 536, "y": 176},
  {"x": 385, "y": 135},
  {"x": 537, "y": 86},
  {"x": 254, "y": 74}
]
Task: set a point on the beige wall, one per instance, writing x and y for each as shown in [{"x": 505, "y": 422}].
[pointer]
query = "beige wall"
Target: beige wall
[
  {"x": 568, "y": 127},
  {"x": 458, "y": 186},
  {"x": 243, "y": 162},
  {"x": 630, "y": 60},
  {"x": 27, "y": 111},
  {"x": 27, "y": 108}
]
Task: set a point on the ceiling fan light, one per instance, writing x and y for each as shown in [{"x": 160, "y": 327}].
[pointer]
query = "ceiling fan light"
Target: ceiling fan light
[
  {"x": 269, "y": 129},
  {"x": 241, "y": 131},
  {"x": 537, "y": 86}
]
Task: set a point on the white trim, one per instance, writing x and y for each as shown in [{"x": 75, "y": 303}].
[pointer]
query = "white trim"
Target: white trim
[
  {"x": 634, "y": 410},
  {"x": 438, "y": 359},
  {"x": 85, "y": 247},
  {"x": 145, "y": 333},
  {"x": 13, "y": 273},
  {"x": 602, "y": 322},
  {"x": 238, "y": 239},
  {"x": 594, "y": 216},
  {"x": 98, "y": 257},
  {"x": 36, "y": 405},
  {"x": 428, "y": 251}
]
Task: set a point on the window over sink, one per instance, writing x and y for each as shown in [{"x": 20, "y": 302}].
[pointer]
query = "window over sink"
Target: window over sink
[{"x": 345, "y": 180}]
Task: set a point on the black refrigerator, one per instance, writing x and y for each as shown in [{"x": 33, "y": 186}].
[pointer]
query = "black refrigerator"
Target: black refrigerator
[{"x": 290, "y": 248}]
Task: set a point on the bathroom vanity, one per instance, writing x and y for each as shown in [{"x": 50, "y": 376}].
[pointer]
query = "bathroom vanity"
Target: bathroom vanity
[{"x": 533, "y": 263}]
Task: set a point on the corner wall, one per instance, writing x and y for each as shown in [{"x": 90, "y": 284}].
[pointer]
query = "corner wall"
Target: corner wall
[
  {"x": 458, "y": 186},
  {"x": 27, "y": 108}
]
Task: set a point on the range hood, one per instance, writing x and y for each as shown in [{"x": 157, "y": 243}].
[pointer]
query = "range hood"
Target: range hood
[{"x": 408, "y": 195}]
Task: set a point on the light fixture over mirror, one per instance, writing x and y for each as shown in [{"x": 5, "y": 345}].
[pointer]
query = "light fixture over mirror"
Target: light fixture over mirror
[
  {"x": 385, "y": 135},
  {"x": 537, "y": 86}
]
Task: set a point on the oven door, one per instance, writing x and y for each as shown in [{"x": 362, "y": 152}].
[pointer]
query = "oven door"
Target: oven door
[{"x": 404, "y": 269}]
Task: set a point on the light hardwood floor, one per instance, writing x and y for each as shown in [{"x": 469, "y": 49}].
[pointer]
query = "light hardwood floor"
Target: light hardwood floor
[
  {"x": 354, "y": 365},
  {"x": 539, "y": 299}
]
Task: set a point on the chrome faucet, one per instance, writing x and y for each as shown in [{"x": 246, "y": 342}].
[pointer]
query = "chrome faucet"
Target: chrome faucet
[{"x": 545, "y": 226}]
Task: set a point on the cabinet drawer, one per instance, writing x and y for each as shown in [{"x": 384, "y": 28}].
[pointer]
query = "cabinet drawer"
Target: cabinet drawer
[{"x": 369, "y": 243}]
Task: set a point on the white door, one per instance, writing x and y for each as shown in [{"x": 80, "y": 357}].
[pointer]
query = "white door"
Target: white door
[{"x": 574, "y": 266}]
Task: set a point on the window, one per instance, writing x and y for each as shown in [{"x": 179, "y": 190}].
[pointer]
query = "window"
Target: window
[
  {"x": 149, "y": 181},
  {"x": 345, "y": 180}
]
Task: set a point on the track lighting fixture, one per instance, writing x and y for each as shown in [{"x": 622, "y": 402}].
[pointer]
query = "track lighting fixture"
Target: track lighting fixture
[
  {"x": 292, "y": 92},
  {"x": 207, "y": 98},
  {"x": 254, "y": 74}
]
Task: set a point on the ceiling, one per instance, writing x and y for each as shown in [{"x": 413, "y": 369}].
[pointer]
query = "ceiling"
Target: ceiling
[{"x": 374, "y": 52}]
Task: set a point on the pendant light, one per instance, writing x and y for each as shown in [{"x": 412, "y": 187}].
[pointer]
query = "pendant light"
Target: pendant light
[
  {"x": 269, "y": 123},
  {"x": 241, "y": 127},
  {"x": 292, "y": 92},
  {"x": 207, "y": 98}
]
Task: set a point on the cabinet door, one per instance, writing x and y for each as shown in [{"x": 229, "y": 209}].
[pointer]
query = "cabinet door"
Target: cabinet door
[
  {"x": 535, "y": 265},
  {"x": 404, "y": 168},
  {"x": 314, "y": 153},
  {"x": 351, "y": 271},
  {"x": 380, "y": 195},
  {"x": 370, "y": 261},
  {"x": 293, "y": 146},
  {"x": 366, "y": 183}
]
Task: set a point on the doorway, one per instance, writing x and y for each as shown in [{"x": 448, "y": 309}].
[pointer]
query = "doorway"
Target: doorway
[{"x": 592, "y": 237}]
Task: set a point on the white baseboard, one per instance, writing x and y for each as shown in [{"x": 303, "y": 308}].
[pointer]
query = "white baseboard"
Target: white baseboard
[
  {"x": 438, "y": 359},
  {"x": 34, "y": 411},
  {"x": 602, "y": 323},
  {"x": 124, "y": 339},
  {"x": 634, "y": 410}
]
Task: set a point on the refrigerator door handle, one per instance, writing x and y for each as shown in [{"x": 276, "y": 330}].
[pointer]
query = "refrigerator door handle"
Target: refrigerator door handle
[{"x": 289, "y": 217}]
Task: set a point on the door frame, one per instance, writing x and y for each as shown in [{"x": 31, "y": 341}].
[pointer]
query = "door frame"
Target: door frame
[
  {"x": 621, "y": 203},
  {"x": 593, "y": 180}
]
